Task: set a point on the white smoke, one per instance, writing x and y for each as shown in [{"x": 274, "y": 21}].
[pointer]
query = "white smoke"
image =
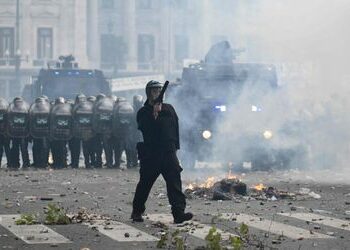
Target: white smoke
[{"x": 308, "y": 41}]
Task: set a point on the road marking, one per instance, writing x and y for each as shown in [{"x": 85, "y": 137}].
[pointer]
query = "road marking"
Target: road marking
[
  {"x": 121, "y": 232},
  {"x": 320, "y": 219},
  {"x": 273, "y": 226},
  {"x": 193, "y": 228},
  {"x": 31, "y": 234}
]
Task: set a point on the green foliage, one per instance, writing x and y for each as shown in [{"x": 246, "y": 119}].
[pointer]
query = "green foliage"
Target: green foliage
[
  {"x": 236, "y": 242},
  {"x": 163, "y": 240},
  {"x": 56, "y": 215},
  {"x": 244, "y": 230},
  {"x": 26, "y": 219},
  {"x": 177, "y": 240},
  {"x": 213, "y": 239}
]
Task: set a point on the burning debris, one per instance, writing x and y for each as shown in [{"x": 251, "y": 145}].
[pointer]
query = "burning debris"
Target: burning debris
[
  {"x": 224, "y": 189},
  {"x": 231, "y": 187}
]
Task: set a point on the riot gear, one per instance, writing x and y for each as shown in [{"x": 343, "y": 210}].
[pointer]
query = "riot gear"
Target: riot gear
[
  {"x": 80, "y": 98},
  {"x": 91, "y": 99},
  {"x": 39, "y": 116},
  {"x": 4, "y": 140},
  {"x": 82, "y": 120},
  {"x": 152, "y": 84},
  {"x": 102, "y": 124},
  {"x": 102, "y": 118},
  {"x": 60, "y": 100},
  {"x": 3, "y": 111},
  {"x": 17, "y": 118},
  {"x": 61, "y": 121},
  {"x": 123, "y": 126},
  {"x": 100, "y": 96},
  {"x": 137, "y": 102}
]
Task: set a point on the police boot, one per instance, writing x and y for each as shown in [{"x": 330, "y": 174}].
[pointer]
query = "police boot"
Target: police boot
[
  {"x": 182, "y": 217},
  {"x": 136, "y": 217}
]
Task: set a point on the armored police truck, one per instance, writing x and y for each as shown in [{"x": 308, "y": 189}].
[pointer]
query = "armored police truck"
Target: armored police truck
[
  {"x": 66, "y": 80},
  {"x": 222, "y": 118}
]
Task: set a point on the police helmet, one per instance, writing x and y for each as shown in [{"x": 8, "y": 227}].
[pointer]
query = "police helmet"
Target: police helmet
[
  {"x": 59, "y": 100},
  {"x": 152, "y": 84},
  {"x": 91, "y": 98},
  {"x": 18, "y": 99},
  {"x": 80, "y": 98},
  {"x": 100, "y": 96}
]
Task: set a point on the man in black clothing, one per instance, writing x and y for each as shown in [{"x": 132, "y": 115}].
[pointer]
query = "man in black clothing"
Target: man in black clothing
[{"x": 158, "y": 123}]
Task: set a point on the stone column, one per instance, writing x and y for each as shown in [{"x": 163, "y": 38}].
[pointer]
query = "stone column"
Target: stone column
[
  {"x": 80, "y": 37},
  {"x": 130, "y": 33},
  {"x": 93, "y": 41}
]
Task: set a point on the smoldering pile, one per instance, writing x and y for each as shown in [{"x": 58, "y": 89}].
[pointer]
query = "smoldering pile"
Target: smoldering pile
[{"x": 234, "y": 188}]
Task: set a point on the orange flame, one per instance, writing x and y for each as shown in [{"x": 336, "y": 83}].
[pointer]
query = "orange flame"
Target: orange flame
[
  {"x": 230, "y": 176},
  {"x": 208, "y": 183},
  {"x": 190, "y": 186},
  {"x": 259, "y": 187}
]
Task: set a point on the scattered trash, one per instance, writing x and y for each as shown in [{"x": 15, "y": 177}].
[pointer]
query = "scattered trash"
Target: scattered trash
[
  {"x": 314, "y": 195},
  {"x": 304, "y": 190}
]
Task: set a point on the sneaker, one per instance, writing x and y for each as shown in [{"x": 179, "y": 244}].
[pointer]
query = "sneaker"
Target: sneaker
[
  {"x": 136, "y": 217},
  {"x": 182, "y": 218}
]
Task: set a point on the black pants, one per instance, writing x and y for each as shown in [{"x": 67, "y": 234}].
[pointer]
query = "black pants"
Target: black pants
[
  {"x": 4, "y": 146},
  {"x": 108, "y": 149},
  {"x": 167, "y": 165},
  {"x": 40, "y": 152},
  {"x": 74, "y": 147},
  {"x": 92, "y": 149},
  {"x": 17, "y": 145},
  {"x": 59, "y": 153},
  {"x": 121, "y": 144}
]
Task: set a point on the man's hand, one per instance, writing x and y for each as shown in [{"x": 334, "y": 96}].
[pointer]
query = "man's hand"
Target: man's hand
[{"x": 156, "y": 109}]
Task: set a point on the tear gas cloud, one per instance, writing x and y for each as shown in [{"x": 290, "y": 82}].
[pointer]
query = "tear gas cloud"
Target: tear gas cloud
[{"x": 308, "y": 41}]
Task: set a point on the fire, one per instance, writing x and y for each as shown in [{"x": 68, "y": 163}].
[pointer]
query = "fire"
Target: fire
[
  {"x": 259, "y": 187},
  {"x": 190, "y": 186},
  {"x": 208, "y": 183},
  {"x": 230, "y": 176}
]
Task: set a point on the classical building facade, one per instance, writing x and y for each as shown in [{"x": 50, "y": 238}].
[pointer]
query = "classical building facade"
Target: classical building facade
[
  {"x": 34, "y": 33},
  {"x": 121, "y": 37},
  {"x": 143, "y": 36}
]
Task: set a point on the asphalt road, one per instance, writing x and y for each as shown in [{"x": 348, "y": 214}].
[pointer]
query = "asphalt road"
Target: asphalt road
[{"x": 318, "y": 216}]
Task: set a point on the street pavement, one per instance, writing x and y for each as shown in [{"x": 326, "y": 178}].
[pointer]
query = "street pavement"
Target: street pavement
[{"x": 318, "y": 219}]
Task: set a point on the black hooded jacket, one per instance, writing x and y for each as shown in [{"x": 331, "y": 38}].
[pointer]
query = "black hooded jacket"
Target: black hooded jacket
[{"x": 161, "y": 133}]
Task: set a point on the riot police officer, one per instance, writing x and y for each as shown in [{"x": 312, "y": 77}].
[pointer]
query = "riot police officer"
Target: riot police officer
[
  {"x": 123, "y": 125},
  {"x": 18, "y": 129},
  {"x": 75, "y": 142},
  {"x": 158, "y": 123},
  {"x": 39, "y": 115},
  {"x": 4, "y": 139},
  {"x": 93, "y": 146},
  {"x": 60, "y": 131}
]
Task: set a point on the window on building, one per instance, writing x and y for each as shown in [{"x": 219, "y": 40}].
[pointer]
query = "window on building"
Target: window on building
[
  {"x": 144, "y": 4},
  {"x": 181, "y": 49},
  {"x": 145, "y": 51},
  {"x": 44, "y": 43},
  {"x": 113, "y": 51},
  {"x": 7, "y": 42},
  {"x": 108, "y": 4}
]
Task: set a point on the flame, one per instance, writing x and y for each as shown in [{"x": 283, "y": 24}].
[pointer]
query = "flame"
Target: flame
[
  {"x": 208, "y": 183},
  {"x": 190, "y": 186},
  {"x": 259, "y": 187},
  {"x": 230, "y": 176}
]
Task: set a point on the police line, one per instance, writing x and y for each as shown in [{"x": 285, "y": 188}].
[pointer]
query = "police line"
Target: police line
[{"x": 62, "y": 120}]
